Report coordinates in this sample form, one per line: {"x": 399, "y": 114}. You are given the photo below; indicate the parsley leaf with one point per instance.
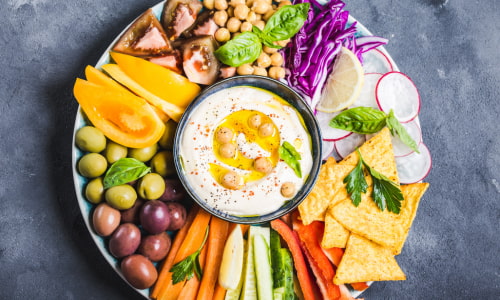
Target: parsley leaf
{"x": 356, "y": 183}
{"x": 289, "y": 154}
{"x": 188, "y": 267}
{"x": 386, "y": 193}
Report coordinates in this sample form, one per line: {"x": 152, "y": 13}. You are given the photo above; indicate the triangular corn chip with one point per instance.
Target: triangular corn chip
{"x": 377, "y": 152}
{"x": 383, "y": 227}
{"x": 335, "y": 234}
{"x": 364, "y": 260}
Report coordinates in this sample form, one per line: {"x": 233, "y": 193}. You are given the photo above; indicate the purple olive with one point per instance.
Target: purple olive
{"x": 177, "y": 214}
{"x": 155, "y": 247}
{"x": 154, "y": 216}
{"x": 139, "y": 271}
{"x": 131, "y": 215}
{"x": 125, "y": 240}
{"x": 174, "y": 191}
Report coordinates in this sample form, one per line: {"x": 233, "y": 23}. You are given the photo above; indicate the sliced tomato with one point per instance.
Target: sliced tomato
{"x": 123, "y": 117}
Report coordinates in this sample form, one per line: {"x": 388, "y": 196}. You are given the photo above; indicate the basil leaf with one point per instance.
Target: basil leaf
{"x": 291, "y": 157}
{"x": 386, "y": 193}
{"x": 286, "y": 22}
{"x": 243, "y": 49}
{"x": 397, "y": 129}
{"x": 123, "y": 171}
{"x": 356, "y": 183}
{"x": 364, "y": 120}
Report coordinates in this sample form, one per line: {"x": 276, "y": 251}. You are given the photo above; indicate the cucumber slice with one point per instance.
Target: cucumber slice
{"x": 249, "y": 291}
{"x": 278, "y": 293}
{"x": 262, "y": 261}
{"x": 235, "y": 294}
{"x": 286, "y": 268}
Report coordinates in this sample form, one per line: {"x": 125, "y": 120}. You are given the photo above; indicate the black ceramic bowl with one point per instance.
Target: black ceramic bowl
{"x": 288, "y": 95}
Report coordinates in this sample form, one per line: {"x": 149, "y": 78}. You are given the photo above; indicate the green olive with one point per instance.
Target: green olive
{"x": 92, "y": 165}
{"x": 121, "y": 196}
{"x": 151, "y": 186}
{"x": 163, "y": 163}
{"x": 143, "y": 154}
{"x": 90, "y": 139}
{"x": 167, "y": 139}
{"x": 114, "y": 152}
{"x": 94, "y": 192}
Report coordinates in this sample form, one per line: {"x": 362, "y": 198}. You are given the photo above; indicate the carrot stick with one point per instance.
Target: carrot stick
{"x": 220, "y": 292}
{"x": 169, "y": 261}
{"x": 216, "y": 241}
{"x": 192, "y": 242}
{"x": 190, "y": 289}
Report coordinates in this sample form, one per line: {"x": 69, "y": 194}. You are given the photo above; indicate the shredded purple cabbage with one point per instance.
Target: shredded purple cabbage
{"x": 309, "y": 58}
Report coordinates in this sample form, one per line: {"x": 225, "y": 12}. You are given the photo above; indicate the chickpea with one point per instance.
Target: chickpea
{"x": 241, "y": 11}
{"x": 262, "y": 164}
{"x": 264, "y": 60}
{"x": 245, "y": 69}
{"x": 288, "y": 189}
{"x": 222, "y": 35}
{"x": 283, "y": 3}
{"x": 230, "y": 11}
{"x": 260, "y": 24}
{"x": 266, "y": 129}
{"x": 268, "y": 14}
{"x": 277, "y": 59}
{"x": 220, "y": 4}
{"x": 269, "y": 50}
{"x": 260, "y": 6}
{"x": 276, "y": 72}
{"x": 246, "y": 26}
{"x": 220, "y": 18}
{"x": 249, "y": 3}
{"x": 254, "y": 121}
{"x": 234, "y": 3}
{"x": 224, "y": 135}
{"x": 251, "y": 17}
{"x": 283, "y": 43}
{"x": 209, "y": 4}
{"x": 259, "y": 71}
{"x": 227, "y": 150}
{"x": 232, "y": 180}
{"x": 233, "y": 24}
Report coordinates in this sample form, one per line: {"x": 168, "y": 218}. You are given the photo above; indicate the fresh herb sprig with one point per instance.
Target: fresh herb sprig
{"x": 247, "y": 46}
{"x": 385, "y": 193}
{"x": 123, "y": 171}
{"x": 289, "y": 155}
{"x": 188, "y": 267}
{"x": 367, "y": 120}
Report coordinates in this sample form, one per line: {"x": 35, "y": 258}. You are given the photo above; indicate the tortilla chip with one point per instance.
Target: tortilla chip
{"x": 313, "y": 208}
{"x": 364, "y": 260}
{"x": 335, "y": 234}
{"x": 383, "y": 227}
{"x": 377, "y": 152}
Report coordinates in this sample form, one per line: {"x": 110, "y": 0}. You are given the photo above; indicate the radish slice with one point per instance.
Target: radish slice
{"x": 329, "y": 133}
{"x": 347, "y": 145}
{"x": 400, "y": 148}
{"x": 327, "y": 148}
{"x": 414, "y": 167}
{"x": 396, "y": 91}
{"x": 375, "y": 61}
{"x": 367, "y": 95}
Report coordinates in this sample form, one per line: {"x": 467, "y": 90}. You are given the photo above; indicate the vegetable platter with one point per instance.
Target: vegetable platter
{"x": 303, "y": 45}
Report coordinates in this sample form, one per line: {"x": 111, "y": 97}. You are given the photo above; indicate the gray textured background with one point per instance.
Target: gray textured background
{"x": 450, "y": 48}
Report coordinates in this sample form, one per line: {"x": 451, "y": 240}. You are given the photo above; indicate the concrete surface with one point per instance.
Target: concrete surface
{"x": 449, "y": 48}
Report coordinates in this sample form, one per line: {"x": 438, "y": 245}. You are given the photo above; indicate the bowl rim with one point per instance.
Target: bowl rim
{"x": 310, "y": 123}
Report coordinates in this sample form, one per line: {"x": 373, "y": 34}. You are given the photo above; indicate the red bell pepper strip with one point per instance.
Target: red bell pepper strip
{"x": 359, "y": 286}
{"x": 334, "y": 254}
{"x": 310, "y": 236}
{"x": 291, "y": 239}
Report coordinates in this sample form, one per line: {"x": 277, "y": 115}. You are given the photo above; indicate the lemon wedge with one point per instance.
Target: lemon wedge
{"x": 344, "y": 83}
{"x": 232, "y": 260}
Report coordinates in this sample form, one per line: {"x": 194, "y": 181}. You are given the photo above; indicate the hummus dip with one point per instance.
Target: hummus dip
{"x": 230, "y": 151}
